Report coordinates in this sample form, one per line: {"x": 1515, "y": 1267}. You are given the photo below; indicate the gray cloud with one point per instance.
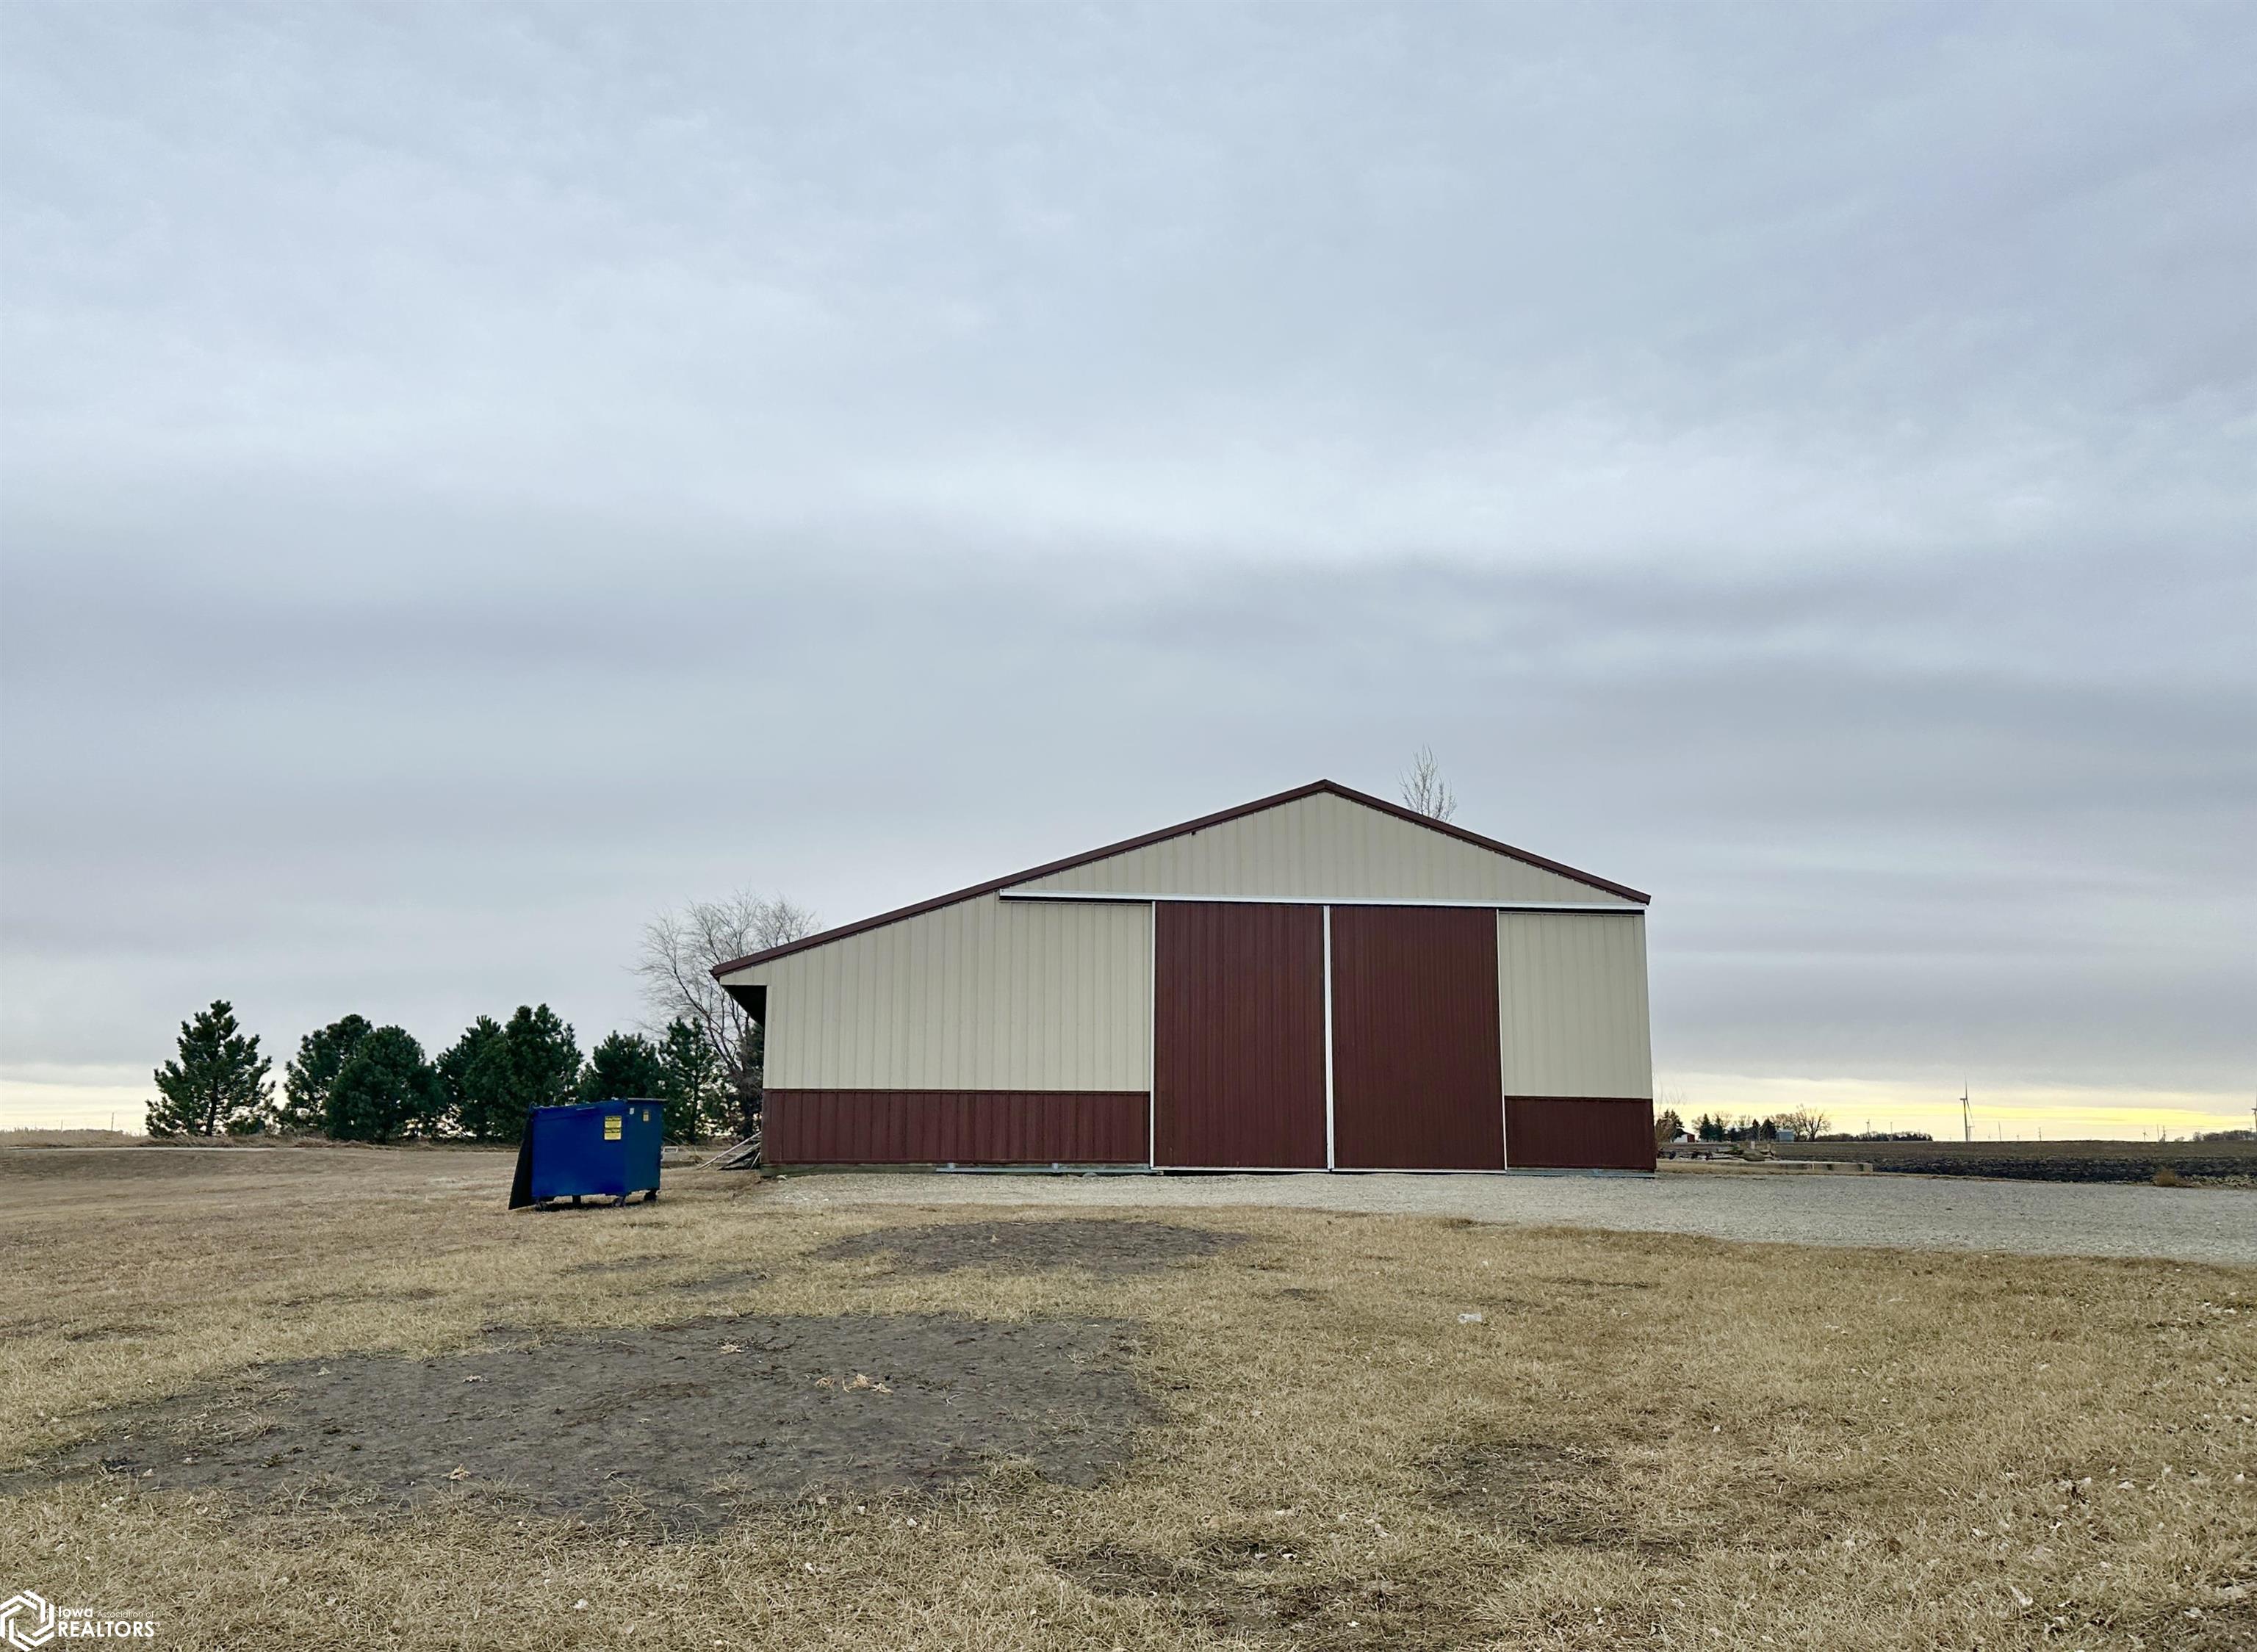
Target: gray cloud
{"x": 473, "y": 477}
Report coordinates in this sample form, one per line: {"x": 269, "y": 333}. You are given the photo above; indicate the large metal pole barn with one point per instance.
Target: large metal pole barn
{"x": 1318, "y": 980}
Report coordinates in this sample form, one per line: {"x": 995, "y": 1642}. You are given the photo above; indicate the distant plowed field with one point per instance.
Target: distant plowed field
{"x": 2214, "y": 1163}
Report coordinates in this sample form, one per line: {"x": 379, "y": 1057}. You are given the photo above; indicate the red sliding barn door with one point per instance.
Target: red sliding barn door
{"x": 1418, "y": 1078}
{"x": 1238, "y": 1035}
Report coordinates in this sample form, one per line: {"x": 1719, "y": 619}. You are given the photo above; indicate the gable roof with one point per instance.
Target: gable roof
{"x": 1313, "y": 788}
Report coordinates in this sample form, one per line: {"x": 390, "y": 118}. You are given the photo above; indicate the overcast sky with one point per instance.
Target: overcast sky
{"x": 475, "y": 476}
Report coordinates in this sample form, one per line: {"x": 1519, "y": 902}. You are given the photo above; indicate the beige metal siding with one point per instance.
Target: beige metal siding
{"x": 1323, "y": 848}
{"x": 986, "y": 994}
{"x": 1571, "y": 993}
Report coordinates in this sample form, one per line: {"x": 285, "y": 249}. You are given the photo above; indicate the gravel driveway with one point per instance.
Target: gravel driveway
{"x": 2037, "y": 1218}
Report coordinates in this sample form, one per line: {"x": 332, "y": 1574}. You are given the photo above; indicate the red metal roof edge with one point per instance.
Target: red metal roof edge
{"x": 825, "y": 937}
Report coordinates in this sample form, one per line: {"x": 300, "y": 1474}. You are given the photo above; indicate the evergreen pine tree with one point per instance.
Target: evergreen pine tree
{"x": 305, "y": 1081}
{"x": 695, "y": 1087}
{"x": 384, "y": 1088}
{"x": 470, "y": 1089}
{"x": 431, "y": 1116}
{"x": 625, "y": 1066}
{"x": 532, "y": 1062}
{"x": 218, "y": 1081}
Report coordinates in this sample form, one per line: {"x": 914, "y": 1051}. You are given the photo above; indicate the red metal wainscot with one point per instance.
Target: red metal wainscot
{"x": 954, "y": 1126}
{"x": 1579, "y": 1133}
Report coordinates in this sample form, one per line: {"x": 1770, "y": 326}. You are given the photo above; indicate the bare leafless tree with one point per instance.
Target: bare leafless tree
{"x": 679, "y": 952}
{"x": 1425, "y": 790}
{"x": 1807, "y": 1124}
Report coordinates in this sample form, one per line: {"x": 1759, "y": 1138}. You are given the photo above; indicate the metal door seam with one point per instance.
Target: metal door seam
{"x": 1331, "y": 1159}
{"x": 1503, "y": 1087}
{"x": 1152, "y": 1036}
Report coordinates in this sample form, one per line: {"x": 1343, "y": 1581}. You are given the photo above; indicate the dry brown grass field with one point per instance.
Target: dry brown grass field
{"x": 326, "y": 1398}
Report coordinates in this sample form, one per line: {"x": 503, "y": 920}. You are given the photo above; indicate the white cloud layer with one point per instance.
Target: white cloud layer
{"x": 474, "y": 475}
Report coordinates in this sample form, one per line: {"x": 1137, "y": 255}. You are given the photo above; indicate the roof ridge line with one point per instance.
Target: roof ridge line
{"x": 1314, "y": 787}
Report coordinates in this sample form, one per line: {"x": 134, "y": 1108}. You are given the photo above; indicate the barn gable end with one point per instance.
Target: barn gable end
{"x": 1328, "y": 846}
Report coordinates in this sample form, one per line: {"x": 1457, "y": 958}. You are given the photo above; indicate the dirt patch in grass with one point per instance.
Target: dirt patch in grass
{"x": 685, "y": 1423}
{"x": 714, "y": 1284}
{"x": 337, "y": 1298}
{"x": 1099, "y": 1246}
{"x": 1547, "y": 1494}
{"x": 611, "y": 1264}
{"x": 1261, "y": 1588}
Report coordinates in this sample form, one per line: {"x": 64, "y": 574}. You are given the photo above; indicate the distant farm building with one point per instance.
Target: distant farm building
{"x": 1318, "y": 980}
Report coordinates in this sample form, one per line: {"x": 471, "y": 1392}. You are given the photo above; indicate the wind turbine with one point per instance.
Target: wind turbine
{"x": 1966, "y": 1116}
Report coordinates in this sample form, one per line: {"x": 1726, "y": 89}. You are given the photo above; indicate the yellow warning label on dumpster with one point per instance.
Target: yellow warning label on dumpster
{"x": 612, "y": 1123}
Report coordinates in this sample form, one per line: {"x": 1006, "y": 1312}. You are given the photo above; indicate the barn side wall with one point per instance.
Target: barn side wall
{"x": 1323, "y": 848}
{"x": 986, "y": 995}
{"x": 1572, "y": 1005}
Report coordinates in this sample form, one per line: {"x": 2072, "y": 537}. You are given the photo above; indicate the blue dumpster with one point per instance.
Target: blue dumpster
{"x": 599, "y": 1150}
